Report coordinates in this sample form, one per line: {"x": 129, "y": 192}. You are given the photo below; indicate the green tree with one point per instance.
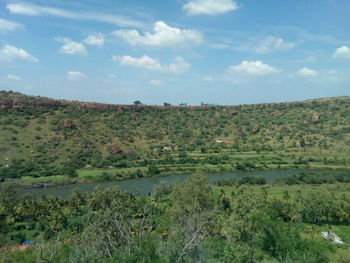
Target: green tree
{"x": 192, "y": 216}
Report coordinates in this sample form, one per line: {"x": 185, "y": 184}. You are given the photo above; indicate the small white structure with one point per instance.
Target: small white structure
{"x": 332, "y": 237}
{"x": 167, "y": 148}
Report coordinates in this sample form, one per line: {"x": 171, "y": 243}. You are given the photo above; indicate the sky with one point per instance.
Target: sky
{"x": 177, "y": 51}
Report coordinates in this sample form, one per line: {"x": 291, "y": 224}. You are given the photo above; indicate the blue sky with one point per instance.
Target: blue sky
{"x": 192, "y": 51}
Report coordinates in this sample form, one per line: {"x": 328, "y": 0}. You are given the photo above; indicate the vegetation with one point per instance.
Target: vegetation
{"x": 40, "y": 138}
{"x": 243, "y": 221}
{"x": 185, "y": 222}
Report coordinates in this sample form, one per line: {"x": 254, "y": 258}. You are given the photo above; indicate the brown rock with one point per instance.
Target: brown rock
{"x": 256, "y": 129}
{"x": 315, "y": 117}
{"x": 114, "y": 149}
{"x": 213, "y": 122}
{"x": 277, "y": 113}
{"x": 67, "y": 124}
{"x": 239, "y": 130}
{"x": 284, "y": 129}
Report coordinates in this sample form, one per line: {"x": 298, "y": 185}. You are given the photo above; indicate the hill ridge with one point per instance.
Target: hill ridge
{"x": 17, "y": 100}
{"x": 42, "y": 136}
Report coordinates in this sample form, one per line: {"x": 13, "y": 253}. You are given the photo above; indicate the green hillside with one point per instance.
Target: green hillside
{"x": 46, "y": 137}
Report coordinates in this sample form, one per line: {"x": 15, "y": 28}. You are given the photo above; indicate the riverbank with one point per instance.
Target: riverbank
{"x": 145, "y": 185}
{"x": 274, "y": 196}
{"x": 86, "y": 176}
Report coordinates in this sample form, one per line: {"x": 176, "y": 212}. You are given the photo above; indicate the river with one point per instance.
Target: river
{"x": 145, "y": 185}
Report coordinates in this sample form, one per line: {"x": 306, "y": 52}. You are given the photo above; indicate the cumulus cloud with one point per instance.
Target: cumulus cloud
{"x": 210, "y": 7}
{"x": 307, "y": 73}
{"x": 271, "y": 43}
{"x": 342, "y": 53}
{"x": 145, "y": 62}
{"x": 73, "y": 75}
{"x": 96, "y": 39}
{"x": 163, "y": 36}
{"x": 71, "y": 47}
{"x": 178, "y": 66}
{"x": 257, "y": 68}
{"x": 9, "y": 53}
{"x": 6, "y": 25}
{"x": 13, "y": 77}
{"x": 37, "y": 10}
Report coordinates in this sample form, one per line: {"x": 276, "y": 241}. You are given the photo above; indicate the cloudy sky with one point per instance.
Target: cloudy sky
{"x": 192, "y": 51}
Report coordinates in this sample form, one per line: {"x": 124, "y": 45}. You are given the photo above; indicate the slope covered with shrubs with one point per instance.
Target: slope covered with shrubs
{"x": 43, "y": 137}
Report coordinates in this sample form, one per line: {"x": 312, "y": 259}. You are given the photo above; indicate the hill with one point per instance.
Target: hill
{"x": 44, "y": 137}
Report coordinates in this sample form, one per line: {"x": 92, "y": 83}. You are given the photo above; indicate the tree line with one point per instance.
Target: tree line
{"x": 191, "y": 221}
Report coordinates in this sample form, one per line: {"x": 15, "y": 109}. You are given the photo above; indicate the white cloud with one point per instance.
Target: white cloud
{"x": 9, "y": 53}
{"x": 6, "y": 25}
{"x": 328, "y": 76}
{"x": 71, "y": 47}
{"x": 178, "y": 66}
{"x": 75, "y": 75}
{"x": 96, "y": 39}
{"x": 210, "y": 7}
{"x": 307, "y": 73}
{"x": 342, "y": 53}
{"x": 271, "y": 43}
{"x": 112, "y": 76}
{"x": 145, "y": 62}
{"x": 13, "y": 77}
{"x": 24, "y": 9}
{"x": 253, "y": 68}
{"x": 36, "y": 10}
{"x": 156, "y": 82}
{"x": 163, "y": 36}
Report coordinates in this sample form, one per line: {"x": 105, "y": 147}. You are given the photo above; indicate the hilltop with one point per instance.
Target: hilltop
{"x": 44, "y": 137}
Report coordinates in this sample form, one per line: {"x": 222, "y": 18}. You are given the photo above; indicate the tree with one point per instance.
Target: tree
{"x": 244, "y": 225}
{"x": 137, "y": 102}
{"x": 191, "y": 217}
{"x": 116, "y": 227}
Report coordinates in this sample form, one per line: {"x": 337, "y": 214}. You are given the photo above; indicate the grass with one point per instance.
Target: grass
{"x": 54, "y": 180}
{"x": 97, "y": 174}
{"x": 94, "y": 173}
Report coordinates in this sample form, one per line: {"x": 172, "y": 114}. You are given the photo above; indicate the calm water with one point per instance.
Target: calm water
{"x": 145, "y": 185}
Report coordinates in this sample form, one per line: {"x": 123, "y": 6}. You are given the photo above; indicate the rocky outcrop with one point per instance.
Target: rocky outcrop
{"x": 256, "y": 129}
{"x": 67, "y": 124}
{"x": 239, "y": 130}
{"x": 18, "y": 101}
{"x": 315, "y": 117}
{"x": 213, "y": 122}
{"x": 277, "y": 114}
{"x": 114, "y": 149}
{"x": 283, "y": 129}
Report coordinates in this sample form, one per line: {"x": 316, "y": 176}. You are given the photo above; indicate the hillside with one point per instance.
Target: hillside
{"x": 44, "y": 137}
